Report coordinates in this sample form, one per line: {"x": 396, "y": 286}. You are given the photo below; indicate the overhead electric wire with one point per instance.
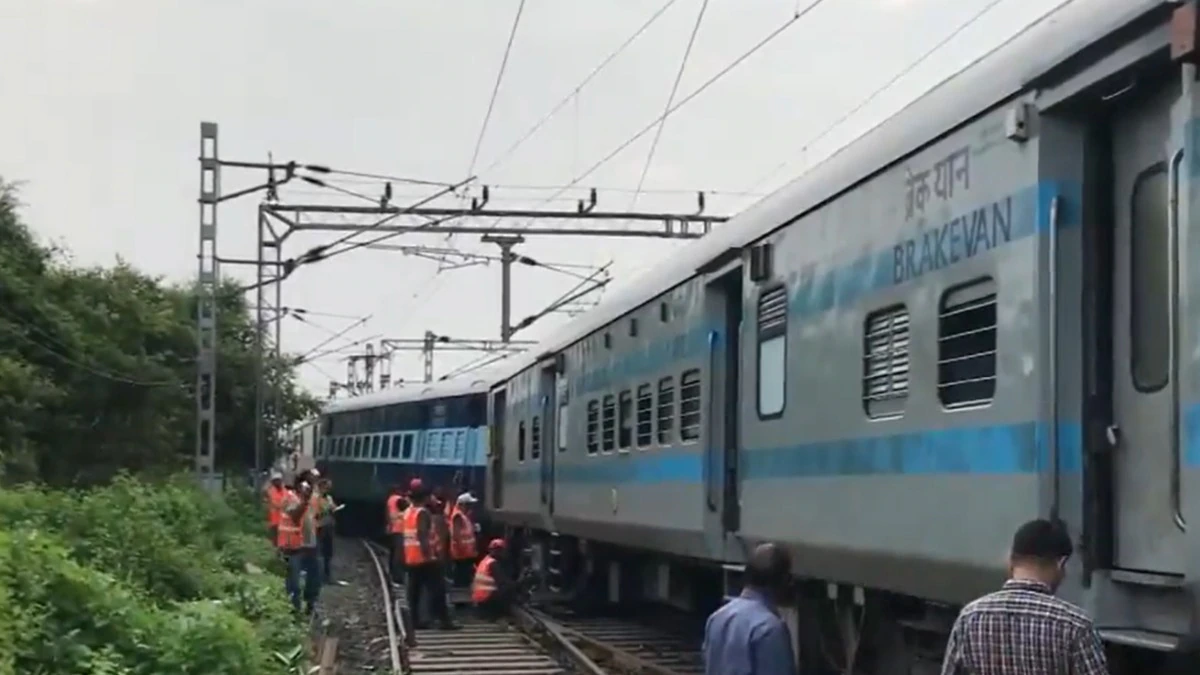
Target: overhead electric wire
{"x": 377, "y": 176}
{"x": 687, "y": 52}
{"x": 347, "y": 329}
{"x": 512, "y": 35}
{"x": 770, "y": 37}
{"x": 583, "y": 83}
{"x": 896, "y": 78}
{"x": 13, "y": 329}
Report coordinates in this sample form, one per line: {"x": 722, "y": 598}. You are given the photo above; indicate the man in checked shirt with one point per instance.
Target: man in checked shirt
{"x": 1023, "y": 629}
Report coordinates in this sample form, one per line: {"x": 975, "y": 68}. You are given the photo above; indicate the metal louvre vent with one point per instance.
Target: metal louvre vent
{"x": 885, "y": 361}
{"x": 772, "y": 310}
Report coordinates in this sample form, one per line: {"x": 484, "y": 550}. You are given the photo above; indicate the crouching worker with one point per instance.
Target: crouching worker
{"x": 493, "y": 590}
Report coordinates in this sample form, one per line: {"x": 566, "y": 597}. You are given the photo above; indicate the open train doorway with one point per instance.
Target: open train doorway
{"x": 723, "y": 310}
{"x": 497, "y": 413}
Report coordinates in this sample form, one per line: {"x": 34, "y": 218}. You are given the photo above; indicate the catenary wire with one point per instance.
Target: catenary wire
{"x": 687, "y": 52}
{"x": 583, "y": 83}
{"x": 512, "y": 35}
{"x": 888, "y": 85}
{"x": 13, "y": 326}
{"x": 770, "y": 37}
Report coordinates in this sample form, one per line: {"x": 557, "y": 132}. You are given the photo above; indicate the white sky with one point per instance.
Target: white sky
{"x": 100, "y": 104}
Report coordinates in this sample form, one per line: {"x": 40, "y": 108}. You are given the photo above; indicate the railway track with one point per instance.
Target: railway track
{"x": 548, "y": 641}
{"x": 637, "y": 645}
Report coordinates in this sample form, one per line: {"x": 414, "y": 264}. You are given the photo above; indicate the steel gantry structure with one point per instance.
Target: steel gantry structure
{"x": 277, "y": 221}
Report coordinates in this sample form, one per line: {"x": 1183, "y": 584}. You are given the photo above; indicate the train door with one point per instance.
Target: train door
{"x": 1144, "y": 433}
{"x": 547, "y": 407}
{"x": 497, "y": 413}
{"x": 723, "y": 310}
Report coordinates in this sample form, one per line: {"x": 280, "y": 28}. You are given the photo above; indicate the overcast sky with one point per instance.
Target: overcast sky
{"x": 101, "y": 100}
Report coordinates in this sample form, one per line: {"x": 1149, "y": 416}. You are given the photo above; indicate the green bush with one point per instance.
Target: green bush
{"x": 138, "y": 578}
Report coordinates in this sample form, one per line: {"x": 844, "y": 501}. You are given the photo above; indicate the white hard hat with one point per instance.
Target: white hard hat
{"x": 314, "y": 473}
{"x": 276, "y": 475}
{"x": 466, "y": 498}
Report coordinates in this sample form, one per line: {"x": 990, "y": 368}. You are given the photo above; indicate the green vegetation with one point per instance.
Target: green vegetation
{"x": 102, "y": 573}
{"x": 97, "y": 368}
{"x": 136, "y": 579}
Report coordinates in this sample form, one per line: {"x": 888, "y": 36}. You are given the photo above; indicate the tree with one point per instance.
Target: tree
{"x": 97, "y": 367}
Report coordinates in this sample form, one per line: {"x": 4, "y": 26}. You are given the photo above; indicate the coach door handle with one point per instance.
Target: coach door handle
{"x": 1113, "y": 434}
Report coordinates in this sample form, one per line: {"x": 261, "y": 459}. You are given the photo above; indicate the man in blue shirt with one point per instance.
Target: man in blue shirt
{"x": 746, "y": 636}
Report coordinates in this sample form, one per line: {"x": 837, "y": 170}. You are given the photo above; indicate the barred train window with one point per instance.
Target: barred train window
{"x": 666, "y": 409}
{"x": 609, "y": 427}
{"x": 772, "y": 351}
{"x": 521, "y": 441}
{"x": 593, "y": 427}
{"x": 885, "y": 362}
{"x": 535, "y": 438}
{"x": 645, "y": 415}
{"x": 625, "y": 412}
{"x": 689, "y": 405}
{"x": 967, "y": 344}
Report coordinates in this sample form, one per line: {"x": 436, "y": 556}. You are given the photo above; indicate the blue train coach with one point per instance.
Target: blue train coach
{"x": 435, "y": 432}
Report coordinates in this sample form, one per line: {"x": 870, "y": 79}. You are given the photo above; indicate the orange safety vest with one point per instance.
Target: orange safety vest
{"x": 394, "y": 515}
{"x": 275, "y": 498}
{"x": 484, "y": 585}
{"x": 291, "y": 533}
{"x": 413, "y": 555}
{"x": 462, "y": 538}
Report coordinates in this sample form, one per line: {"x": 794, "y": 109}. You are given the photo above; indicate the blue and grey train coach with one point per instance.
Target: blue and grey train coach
{"x": 436, "y": 432}
{"x": 978, "y": 313}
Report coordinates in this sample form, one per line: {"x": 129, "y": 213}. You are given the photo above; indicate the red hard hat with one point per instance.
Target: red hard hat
{"x": 496, "y": 545}
{"x": 415, "y": 485}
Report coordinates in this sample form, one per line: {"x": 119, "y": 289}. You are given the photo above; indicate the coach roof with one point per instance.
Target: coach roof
{"x": 998, "y": 75}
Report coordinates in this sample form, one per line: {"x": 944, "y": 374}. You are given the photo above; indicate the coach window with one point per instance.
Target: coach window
{"x": 645, "y": 416}
{"x": 535, "y": 438}
{"x": 593, "y": 427}
{"x": 521, "y": 441}
{"x": 375, "y": 443}
{"x": 561, "y": 434}
{"x": 885, "y": 362}
{"x": 664, "y": 312}
{"x": 609, "y": 428}
{"x": 1150, "y": 282}
{"x": 689, "y": 405}
{"x": 385, "y": 448}
{"x": 772, "y": 352}
{"x": 396, "y": 440}
{"x": 408, "y": 446}
{"x": 666, "y": 409}
{"x": 967, "y": 344}
{"x": 625, "y": 414}
{"x": 358, "y": 447}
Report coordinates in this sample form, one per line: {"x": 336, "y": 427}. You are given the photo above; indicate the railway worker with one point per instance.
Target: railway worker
{"x": 746, "y": 636}
{"x": 492, "y": 590}
{"x": 275, "y": 495}
{"x": 421, "y": 546}
{"x": 463, "y": 549}
{"x": 298, "y": 542}
{"x": 396, "y": 504}
{"x": 325, "y": 527}
{"x": 1023, "y": 627}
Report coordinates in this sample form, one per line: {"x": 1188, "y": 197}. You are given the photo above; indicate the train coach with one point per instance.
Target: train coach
{"x": 436, "y": 432}
{"x": 977, "y": 314}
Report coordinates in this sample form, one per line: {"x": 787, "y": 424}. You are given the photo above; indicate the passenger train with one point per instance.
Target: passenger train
{"x": 436, "y": 432}
{"x": 979, "y": 313}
